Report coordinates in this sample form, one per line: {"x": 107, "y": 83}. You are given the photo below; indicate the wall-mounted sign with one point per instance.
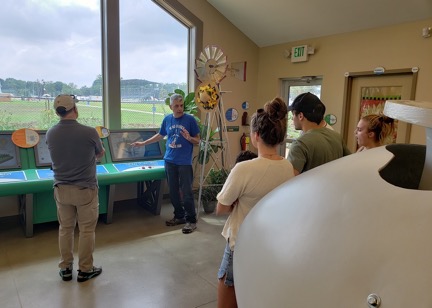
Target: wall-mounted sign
{"x": 245, "y": 105}
{"x": 330, "y": 119}
{"x": 379, "y": 70}
{"x": 232, "y": 128}
{"x": 25, "y": 138}
{"x": 103, "y": 132}
{"x": 231, "y": 114}
{"x": 299, "y": 53}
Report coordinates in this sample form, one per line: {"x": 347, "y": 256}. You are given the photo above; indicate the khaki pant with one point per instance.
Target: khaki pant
{"x": 75, "y": 203}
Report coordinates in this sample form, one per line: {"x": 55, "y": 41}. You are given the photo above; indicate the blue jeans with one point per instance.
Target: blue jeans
{"x": 180, "y": 179}
{"x": 226, "y": 267}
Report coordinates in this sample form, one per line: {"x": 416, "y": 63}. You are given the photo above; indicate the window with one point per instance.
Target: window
{"x": 291, "y": 89}
{"x": 50, "y": 47}
{"x": 54, "y": 47}
{"x": 153, "y": 62}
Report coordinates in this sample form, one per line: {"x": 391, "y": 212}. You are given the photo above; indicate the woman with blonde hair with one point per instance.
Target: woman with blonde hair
{"x": 373, "y": 130}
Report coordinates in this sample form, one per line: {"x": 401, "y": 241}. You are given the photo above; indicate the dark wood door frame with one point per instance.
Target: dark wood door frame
{"x": 349, "y": 77}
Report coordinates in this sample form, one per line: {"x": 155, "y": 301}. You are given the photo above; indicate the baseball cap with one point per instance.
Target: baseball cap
{"x": 65, "y": 102}
{"x": 307, "y": 103}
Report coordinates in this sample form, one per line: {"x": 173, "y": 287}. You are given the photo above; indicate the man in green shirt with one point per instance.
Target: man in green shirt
{"x": 317, "y": 145}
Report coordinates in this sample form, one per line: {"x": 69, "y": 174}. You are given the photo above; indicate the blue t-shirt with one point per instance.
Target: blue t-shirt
{"x": 178, "y": 149}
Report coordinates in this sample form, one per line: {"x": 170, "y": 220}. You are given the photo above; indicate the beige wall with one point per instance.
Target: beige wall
{"x": 237, "y": 47}
{"x": 396, "y": 47}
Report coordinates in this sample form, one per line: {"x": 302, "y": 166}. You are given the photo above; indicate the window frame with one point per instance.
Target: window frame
{"x": 287, "y": 84}
{"x": 110, "y": 23}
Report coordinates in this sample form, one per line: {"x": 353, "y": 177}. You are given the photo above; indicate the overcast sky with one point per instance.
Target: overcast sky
{"x": 59, "y": 40}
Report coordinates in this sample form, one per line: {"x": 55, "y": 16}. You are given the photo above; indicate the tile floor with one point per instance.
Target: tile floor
{"x": 145, "y": 263}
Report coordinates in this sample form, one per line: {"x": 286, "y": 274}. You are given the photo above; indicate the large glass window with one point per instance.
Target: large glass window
{"x": 49, "y": 47}
{"x": 153, "y": 62}
{"x": 54, "y": 46}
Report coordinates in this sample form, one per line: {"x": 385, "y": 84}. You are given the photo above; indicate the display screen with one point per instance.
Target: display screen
{"x": 9, "y": 153}
{"x": 42, "y": 155}
{"x": 121, "y": 150}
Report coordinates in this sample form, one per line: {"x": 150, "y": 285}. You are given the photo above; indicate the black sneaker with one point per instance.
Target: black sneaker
{"x": 84, "y": 276}
{"x": 189, "y": 228}
{"x": 175, "y": 222}
{"x": 66, "y": 274}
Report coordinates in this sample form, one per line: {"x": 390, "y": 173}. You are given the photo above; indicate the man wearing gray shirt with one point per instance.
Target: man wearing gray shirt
{"x": 74, "y": 149}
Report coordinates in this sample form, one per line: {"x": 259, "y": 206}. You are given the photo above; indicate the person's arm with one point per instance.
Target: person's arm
{"x": 231, "y": 191}
{"x": 100, "y": 154}
{"x": 153, "y": 139}
{"x": 188, "y": 137}
{"x": 222, "y": 209}
{"x": 297, "y": 157}
{"x": 194, "y": 140}
{"x": 192, "y": 132}
{"x": 99, "y": 149}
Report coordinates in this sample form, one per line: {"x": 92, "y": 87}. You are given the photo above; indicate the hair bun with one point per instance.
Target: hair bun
{"x": 276, "y": 109}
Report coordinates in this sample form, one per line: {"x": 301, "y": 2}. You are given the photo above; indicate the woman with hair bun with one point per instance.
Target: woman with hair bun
{"x": 248, "y": 182}
{"x": 373, "y": 131}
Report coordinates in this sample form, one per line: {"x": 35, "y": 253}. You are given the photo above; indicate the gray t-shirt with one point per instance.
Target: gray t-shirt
{"x": 73, "y": 148}
{"x": 316, "y": 147}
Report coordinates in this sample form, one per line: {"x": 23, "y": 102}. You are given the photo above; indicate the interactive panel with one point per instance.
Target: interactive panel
{"x": 121, "y": 150}
{"x": 9, "y": 153}
{"x": 42, "y": 155}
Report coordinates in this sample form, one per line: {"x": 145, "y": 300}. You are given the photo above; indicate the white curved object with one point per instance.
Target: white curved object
{"x": 333, "y": 236}
{"x": 419, "y": 113}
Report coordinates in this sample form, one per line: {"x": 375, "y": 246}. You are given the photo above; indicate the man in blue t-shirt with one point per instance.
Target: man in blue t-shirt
{"x": 182, "y": 133}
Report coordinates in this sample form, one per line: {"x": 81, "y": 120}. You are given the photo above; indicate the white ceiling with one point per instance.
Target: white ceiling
{"x": 271, "y": 22}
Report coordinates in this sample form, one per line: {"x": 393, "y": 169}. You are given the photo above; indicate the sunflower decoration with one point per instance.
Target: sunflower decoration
{"x": 207, "y": 96}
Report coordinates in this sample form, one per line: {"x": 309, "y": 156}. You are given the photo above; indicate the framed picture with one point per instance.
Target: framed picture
{"x": 121, "y": 150}
{"x": 42, "y": 155}
{"x": 9, "y": 153}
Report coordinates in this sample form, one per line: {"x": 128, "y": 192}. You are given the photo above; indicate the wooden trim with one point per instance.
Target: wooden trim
{"x": 349, "y": 76}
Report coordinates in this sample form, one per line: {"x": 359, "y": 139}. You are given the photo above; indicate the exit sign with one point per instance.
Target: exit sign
{"x": 299, "y": 53}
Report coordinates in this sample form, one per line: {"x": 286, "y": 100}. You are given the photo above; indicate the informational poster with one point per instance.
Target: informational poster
{"x": 121, "y": 149}
{"x": 103, "y": 132}
{"x": 231, "y": 114}
{"x": 373, "y": 100}
{"x": 43, "y": 157}
{"x": 42, "y": 154}
{"x": 25, "y": 137}
{"x": 9, "y": 156}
